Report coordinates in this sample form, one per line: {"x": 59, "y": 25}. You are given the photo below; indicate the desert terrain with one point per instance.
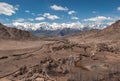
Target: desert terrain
{"x": 92, "y": 55}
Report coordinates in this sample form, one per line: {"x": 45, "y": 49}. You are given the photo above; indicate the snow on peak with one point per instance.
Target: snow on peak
{"x": 47, "y": 26}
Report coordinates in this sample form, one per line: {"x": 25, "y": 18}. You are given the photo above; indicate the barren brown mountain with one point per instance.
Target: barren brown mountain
{"x": 13, "y": 33}
{"x": 92, "y": 55}
{"x": 112, "y": 31}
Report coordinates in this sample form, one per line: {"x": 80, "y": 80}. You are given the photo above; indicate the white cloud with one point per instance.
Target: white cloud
{"x": 19, "y": 20}
{"x": 51, "y": 17}
{"x": 27, "y": 11}
{"x": 71, "y": 12}
{"x": 55, "y": 7}
{"x": 7, "y": 9}
{"x": 16, "y": 7}
{"x": 118, "y": 8}
{"x": 46, "y": 14}
{"x": 30, "y": 19}
{"x": 33, "y": 14}
{"x": 74, "y": 18}
{"x": 40, "y": 18}
{"x": 98, "y": 18}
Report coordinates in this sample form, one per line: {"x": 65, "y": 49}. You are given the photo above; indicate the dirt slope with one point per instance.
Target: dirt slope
{"x": 13, "y": 33}
{"x": 111, "y": 32}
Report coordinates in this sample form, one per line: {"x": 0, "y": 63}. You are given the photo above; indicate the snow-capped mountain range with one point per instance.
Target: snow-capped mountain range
{"x": 56, "y": 26}
{"x": 45, "y": 28}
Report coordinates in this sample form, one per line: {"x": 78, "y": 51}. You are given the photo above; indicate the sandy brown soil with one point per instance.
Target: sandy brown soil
{"x": 17, "y": 54}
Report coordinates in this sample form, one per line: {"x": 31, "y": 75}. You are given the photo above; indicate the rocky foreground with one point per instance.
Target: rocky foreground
{"x": 64, "y": 61}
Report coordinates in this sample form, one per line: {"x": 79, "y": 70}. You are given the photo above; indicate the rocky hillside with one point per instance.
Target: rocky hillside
{"x": 111, "y": 32}
{"x": 13, "y": 33}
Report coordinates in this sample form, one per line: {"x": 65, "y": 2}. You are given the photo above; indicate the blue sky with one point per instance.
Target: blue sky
{"x": 59, "y": 11}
